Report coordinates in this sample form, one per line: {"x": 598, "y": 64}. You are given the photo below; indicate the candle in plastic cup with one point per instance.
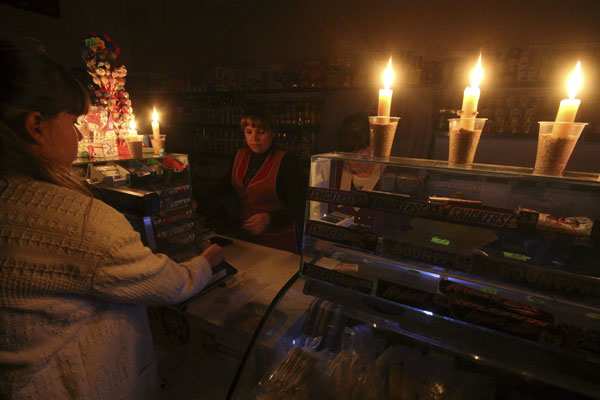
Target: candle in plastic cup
{"x": 134, "y": 144}
{"x": 382, "y": 131}
{"x": 463, "y": 142}
{"x": 158, "y": 144}
{"x": 554, "y": 151}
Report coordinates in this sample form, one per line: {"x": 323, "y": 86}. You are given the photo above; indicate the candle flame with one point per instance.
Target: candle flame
{"x": 574, "y": 82}
{"x": 477, "y": 74}
{"x": 388, "y": 75}
{"x": 132, "y": 125}
{"x": 155, "y": 116}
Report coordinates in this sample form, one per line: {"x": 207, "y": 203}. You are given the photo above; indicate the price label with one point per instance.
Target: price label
{"x": 535, "y": 300}
{"x": 440, "y": 240}
{"x": 488, "y": 290}
{"x": 516, "y": 256}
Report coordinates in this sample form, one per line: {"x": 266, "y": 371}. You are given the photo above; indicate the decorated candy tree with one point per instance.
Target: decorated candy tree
{"x": 111, "y": 114}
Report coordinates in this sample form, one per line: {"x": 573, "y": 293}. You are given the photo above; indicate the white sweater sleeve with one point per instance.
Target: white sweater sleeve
{"x": 130, "y": 273}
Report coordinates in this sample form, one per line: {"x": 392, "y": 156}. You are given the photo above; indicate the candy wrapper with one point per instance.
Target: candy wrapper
{"x": 581, "y": 226}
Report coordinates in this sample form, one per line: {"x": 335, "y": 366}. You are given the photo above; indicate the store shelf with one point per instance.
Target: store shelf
{"x": 426, "y": 277}
{"x": 475, "y": 169}
{"x": 262, "y": 92}
{"x": 491, "y": 245}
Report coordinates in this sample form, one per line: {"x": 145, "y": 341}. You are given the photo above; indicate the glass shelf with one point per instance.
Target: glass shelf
{"x": 473, "y": 169}
{"x": 485, "y": 346}
{"x": 327, "y": 326}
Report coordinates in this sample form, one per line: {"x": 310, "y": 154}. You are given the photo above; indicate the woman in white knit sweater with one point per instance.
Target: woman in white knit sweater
{"x": 74, "y": 277}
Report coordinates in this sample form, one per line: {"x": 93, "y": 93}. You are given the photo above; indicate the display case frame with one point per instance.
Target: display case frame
{"x": 541, "y": 333}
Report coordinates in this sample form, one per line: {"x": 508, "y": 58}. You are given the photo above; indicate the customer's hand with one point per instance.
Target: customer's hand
{"x": 214, "y": 254}
{"x": 257, "y": 223}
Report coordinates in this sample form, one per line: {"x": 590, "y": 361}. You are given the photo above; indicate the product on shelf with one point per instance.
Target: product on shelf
{"x": 470, "y": 225}
{"x": 359, "y": 370}
{"x": 153, "y": 193}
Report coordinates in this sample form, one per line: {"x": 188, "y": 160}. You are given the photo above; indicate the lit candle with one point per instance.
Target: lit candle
{"x": 568, "y": 107}
{"x": 471, "y": 99}
{"x": 132, "y": 125}
{"x": 155, "y": 127}
{"x": 385, "y": 95}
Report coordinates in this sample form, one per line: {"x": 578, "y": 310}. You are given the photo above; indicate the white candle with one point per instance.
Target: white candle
{"x": 568, "y": 107}
{"x": 385, "y": 95}
{"x": 471, "y": 98}
{"x": 132, "y": 125}
{"x": 155, "y": 127}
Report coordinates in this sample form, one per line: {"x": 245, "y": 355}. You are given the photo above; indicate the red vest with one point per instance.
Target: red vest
{"x": 261, "y": 196}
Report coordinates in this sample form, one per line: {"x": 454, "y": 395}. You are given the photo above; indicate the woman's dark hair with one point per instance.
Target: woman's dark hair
{"x": 259, "y": 115}
{"x": 33, "y": 81}
{"x": 353, "y": 134}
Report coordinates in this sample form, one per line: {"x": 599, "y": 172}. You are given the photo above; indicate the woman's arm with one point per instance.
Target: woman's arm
{"x": 128, "y": 272}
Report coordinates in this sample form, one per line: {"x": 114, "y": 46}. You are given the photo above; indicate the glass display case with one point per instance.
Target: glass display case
{"x": 422, "y": 281}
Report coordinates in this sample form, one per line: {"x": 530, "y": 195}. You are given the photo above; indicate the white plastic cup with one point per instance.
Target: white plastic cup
{"x": 134, "y": 144}
{"x": 463, "y": 142}
{"x": 554, "y": 150}
{"x": 382, "y": 130}
{"x": 158, "y": 144}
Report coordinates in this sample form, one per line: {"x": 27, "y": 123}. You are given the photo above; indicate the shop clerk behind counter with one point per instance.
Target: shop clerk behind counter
{"x": 354, "y": 137}
{"x": 267, "y": 182}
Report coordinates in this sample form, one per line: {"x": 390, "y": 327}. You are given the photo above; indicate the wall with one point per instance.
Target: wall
{"x": 182, "y": 35}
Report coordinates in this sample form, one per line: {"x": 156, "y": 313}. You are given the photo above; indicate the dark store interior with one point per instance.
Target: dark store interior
{"x": 439, "y": 39}
{"x": 313, "y": 63}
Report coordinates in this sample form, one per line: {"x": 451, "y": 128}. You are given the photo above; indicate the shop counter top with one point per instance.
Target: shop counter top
{"x": 262, "y": 272}
{"x": 218, "y": 326}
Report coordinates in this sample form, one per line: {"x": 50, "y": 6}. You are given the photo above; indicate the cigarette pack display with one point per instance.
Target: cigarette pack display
{"x": 172, "y": 203}
{"x": 173, "y": 164}
{"x": 167, "y": 218}
{"x": 155, "y": 196}
{"x": 480, "y": 282}
{"x": 110, "y": 174}
{"x": 141, "y": 174}
{"x": 174, "y": 230}
{"x": 173, "y": 190}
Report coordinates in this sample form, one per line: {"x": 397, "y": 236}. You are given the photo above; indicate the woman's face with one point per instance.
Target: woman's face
{"x": 258, "y": 138}
{"x": 361, "y": 168}
{"x": 62, "y": 136}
